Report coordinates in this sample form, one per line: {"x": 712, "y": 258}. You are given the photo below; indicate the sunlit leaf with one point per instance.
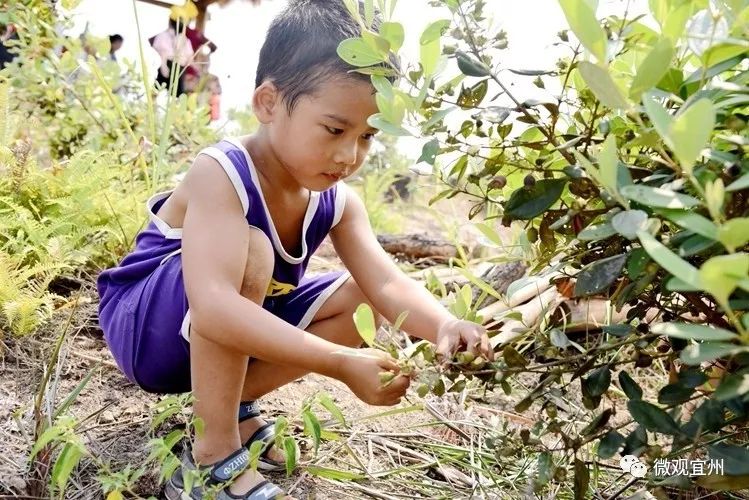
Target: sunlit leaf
{"x": 582, "y": 19}
{"x": 600, "y": 82}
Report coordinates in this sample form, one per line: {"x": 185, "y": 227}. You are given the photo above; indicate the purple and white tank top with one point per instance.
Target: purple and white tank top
{"x": 158, "y": 242}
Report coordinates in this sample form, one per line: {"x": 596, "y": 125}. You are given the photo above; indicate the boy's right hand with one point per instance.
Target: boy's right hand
{"x": 360, "y": 370}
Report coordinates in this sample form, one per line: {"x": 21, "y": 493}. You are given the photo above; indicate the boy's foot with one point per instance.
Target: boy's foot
{"x": 218, "y": 483}
{"x": 253, "y": 427}
{"x": 274, "y": 457}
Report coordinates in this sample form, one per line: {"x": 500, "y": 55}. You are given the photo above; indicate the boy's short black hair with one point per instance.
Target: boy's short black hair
{"x": 300, "y": 47}
{"x": 115, "y": 38}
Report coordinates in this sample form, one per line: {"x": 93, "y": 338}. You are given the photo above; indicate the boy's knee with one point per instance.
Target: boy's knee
{"x": 258, "y": 269}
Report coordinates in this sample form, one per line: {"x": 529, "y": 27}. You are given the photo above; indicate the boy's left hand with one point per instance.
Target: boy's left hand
{"x": 456, "y": 333}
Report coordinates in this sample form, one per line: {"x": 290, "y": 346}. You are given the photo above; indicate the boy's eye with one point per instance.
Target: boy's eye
{"x": 369, "y": 136}
{"x": 333, "y": 130}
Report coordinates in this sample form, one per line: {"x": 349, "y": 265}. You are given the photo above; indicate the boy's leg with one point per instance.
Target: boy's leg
{"x": 333, "y": 322}
{"x": 218, "y": 373}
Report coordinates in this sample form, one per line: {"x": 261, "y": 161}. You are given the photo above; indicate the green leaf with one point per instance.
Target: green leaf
{"x": 65, "y": 463}
{"x": 365, "y": 323}
{"x": 582, "y": 474}
{"x": 545, "y": 467}
{"x": 669, "y": 261}
{"x": 429, "y": 56}
{"x": 399, "y": 320}
{"x": 708, "y": 351}
{"x": 740, "y": 183}
{"x": 527, "y": 203}
{"x": 394, "y": 34}
{"x": 312, "y": 428}
{"x": 610, "y": 444}
{"x": 735, "y": 459}
{"x": 290, "y": 449}
{"x": 722, "y": 274}
{"x": 74, "y": 394}
{"x": 652, "y": 418}
{"x": 587, "y": 29}
{"x": 658, "y": 197}
{"x": 334, "y": 474}
{"x": 49, "y": 435}
{"x": 256, "y": 449}
{"x": 436, "y": 117}
{"x": 383, "y": 86}
{"x": 629, "y": 222}
{"x": 598, "y": 381}
{"x": 691, "y": 221}
{"x": 598, "y": 232}
{"x": 599, "y": 275}
{"x": 378, "y": 121}
{"x": 481, "y": 284}
{"x": 470, "y": 66}
{"x": 690, "y": 131}
{"x": 600, "y": 82}
{"x": 734, "y": 234}
{"x": 434, "y": 31}
{"x": 608, "y": 163}
{"x": 357, "y": 52}
{"x": 653, "y": 68}
{"x": 327, "y": 402}
{"x": 691, "y": 331}
{"x": 733, "y": 386}
{"x": 353, "y": 7}
{"x": 658, "y": 115}
{"x": 629, "y": 386}
{"x": 369, "y": 12}
{"x": 674, "y": 394}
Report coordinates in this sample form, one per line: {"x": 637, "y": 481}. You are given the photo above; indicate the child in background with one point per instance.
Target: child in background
{"x": 214, "y": 299}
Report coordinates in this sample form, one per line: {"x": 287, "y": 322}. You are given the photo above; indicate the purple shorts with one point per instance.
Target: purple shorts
{"x": 148, "y": 331}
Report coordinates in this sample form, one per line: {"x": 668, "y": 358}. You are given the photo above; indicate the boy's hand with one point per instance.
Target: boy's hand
{"x": 360, "y": 370}
{"x": 456, "y": 333}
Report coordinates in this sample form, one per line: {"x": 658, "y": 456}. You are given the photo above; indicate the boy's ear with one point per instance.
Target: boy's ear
{"x": 266, "y": 101}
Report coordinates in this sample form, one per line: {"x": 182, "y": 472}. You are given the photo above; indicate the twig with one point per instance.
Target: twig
{"x": 439, "y": 416}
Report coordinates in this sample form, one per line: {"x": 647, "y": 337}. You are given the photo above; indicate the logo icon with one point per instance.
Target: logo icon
{"x": 631, "y": 464}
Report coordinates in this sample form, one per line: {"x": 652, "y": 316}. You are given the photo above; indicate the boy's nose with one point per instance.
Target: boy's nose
{"x": 346, "y": 154}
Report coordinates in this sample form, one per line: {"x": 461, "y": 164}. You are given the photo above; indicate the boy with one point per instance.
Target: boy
{"x": 213, "y": 298}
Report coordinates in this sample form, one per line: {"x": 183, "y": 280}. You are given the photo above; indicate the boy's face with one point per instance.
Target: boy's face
{"x": 326, "y": 137}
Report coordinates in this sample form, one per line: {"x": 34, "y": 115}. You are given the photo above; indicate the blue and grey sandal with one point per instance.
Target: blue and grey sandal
{"x": 265, "y": 434}
{"x": 219, "y": 476}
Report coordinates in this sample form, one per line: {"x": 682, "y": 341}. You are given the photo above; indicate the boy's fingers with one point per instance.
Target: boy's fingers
{"x": 486, "y": 347}
{"x": 399, "y": 385}
{"x": 388, "y": 363}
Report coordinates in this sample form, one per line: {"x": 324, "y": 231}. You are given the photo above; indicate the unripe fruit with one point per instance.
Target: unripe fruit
{"x": 498, "y": 182}
{"x": 532, "y": 234}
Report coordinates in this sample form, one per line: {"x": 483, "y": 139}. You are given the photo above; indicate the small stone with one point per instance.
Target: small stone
{"x": 107, "y": 417}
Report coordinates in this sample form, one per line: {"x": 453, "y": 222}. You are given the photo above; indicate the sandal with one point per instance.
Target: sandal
{"x": 219, "y": 473}
{"x": 265, "y": 434}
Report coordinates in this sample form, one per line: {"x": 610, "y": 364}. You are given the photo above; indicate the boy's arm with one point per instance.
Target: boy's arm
{"x": 391, "y": 291}
{"x": 215, "y": 249}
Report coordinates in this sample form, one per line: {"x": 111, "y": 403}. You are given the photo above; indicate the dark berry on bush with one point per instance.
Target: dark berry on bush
{"x": 734, "y": 170}
{"x": 529, "y": 180}
{"x": 644, "y": 361}
{"x": 643, "y": 328}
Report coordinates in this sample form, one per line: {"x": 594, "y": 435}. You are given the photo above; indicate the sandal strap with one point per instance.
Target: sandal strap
{"x": 232, "y": 465}
{"x": 248, "y": 409}
{"x": 266, "y": 434}
{"x": 264, "y": 491}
